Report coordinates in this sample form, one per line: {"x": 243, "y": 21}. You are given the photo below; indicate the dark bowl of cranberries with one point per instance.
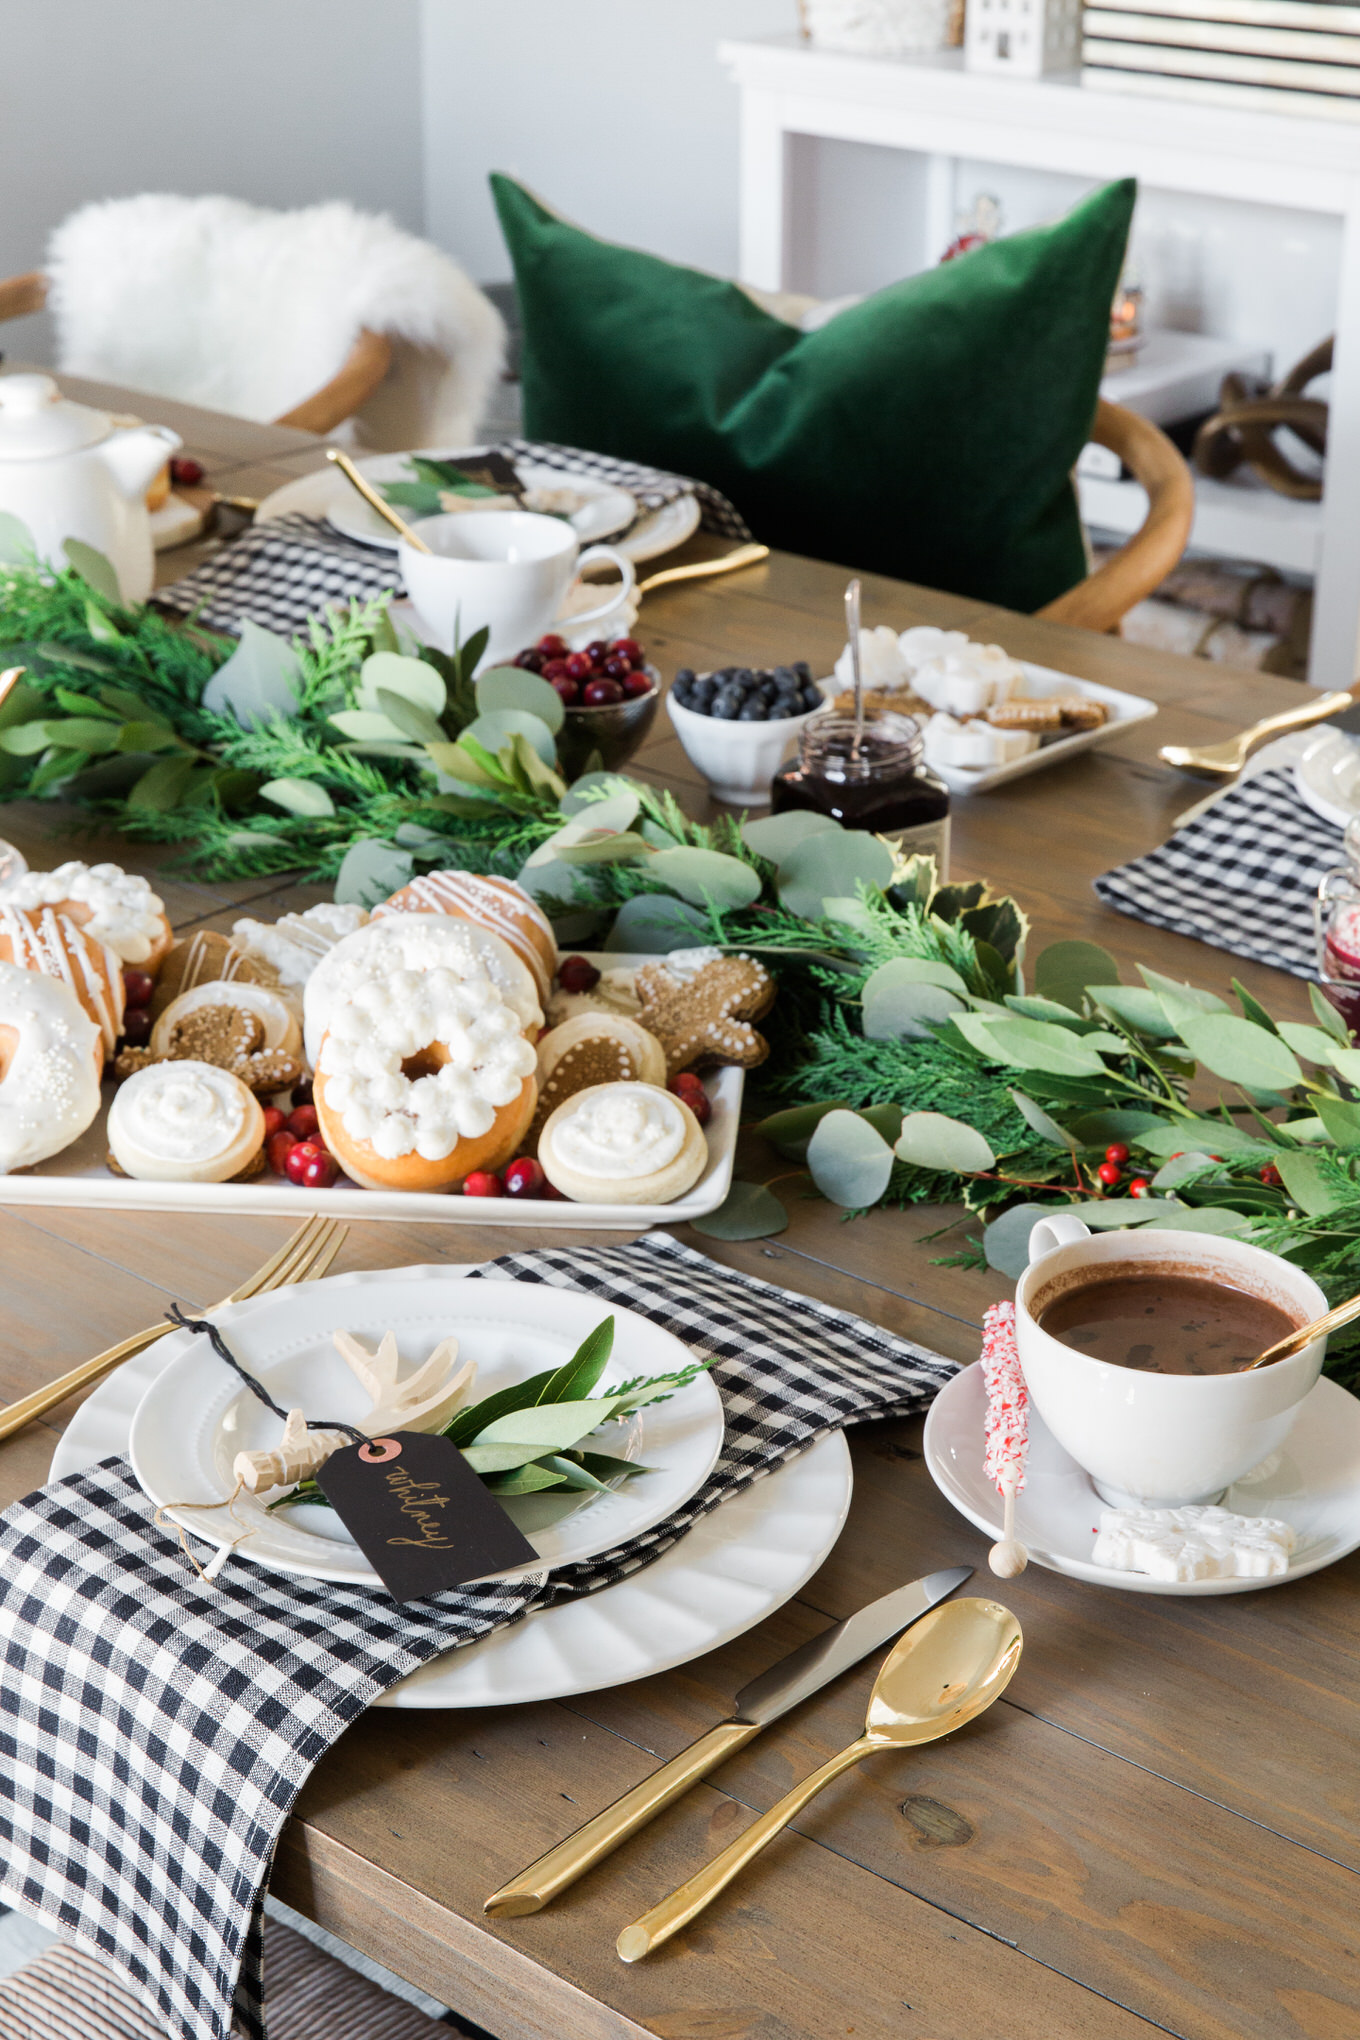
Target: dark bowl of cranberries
{"x": 610, "y": 695}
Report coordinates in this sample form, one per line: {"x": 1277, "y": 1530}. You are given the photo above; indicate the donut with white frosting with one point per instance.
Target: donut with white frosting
{"x": 184, "y": 1122}
{"x": 114, "y": 905}
{"x": 423, "y": 1077}
{"x": 415, "y": 942}
{"x": 624, "y": 1143}
{"x": 294, "y": 945}
{"x": 51, "y": 1054}
{"x": 496, "y": 904}
{"x": 282, "y": 1032}
{"x": 39, "y": 938}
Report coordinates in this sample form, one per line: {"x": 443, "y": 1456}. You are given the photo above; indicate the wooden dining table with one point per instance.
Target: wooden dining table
{"x": 1153, "y": 1831}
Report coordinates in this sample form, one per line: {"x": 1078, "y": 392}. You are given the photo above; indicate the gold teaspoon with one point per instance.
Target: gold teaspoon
{"x": 1295, "y": 1341}
{"x": 374, "y": 500}
{"x": 948, "y": 1668}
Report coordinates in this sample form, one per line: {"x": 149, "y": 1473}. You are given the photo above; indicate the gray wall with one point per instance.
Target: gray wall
{"x": 277, "y": 101}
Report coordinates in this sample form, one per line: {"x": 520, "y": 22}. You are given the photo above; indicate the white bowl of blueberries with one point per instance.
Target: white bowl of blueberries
{"x": 740, "y": 724}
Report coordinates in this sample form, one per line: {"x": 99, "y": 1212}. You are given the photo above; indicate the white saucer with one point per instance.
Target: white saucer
{"x": 1327, "y": 777}
{"x": 1313, "y": 1484}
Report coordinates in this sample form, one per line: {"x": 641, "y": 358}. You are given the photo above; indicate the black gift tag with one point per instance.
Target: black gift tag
{"x": 492, "y": 470}
{"x": 420, "y": 1515}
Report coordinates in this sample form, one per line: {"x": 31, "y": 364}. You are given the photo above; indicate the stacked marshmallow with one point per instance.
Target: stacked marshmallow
{"x": 958, "y": 679}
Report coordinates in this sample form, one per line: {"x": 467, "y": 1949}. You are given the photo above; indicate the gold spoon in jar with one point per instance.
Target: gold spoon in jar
{"x": 1294, "y": 1342}
{"x": 948, "y": 1668}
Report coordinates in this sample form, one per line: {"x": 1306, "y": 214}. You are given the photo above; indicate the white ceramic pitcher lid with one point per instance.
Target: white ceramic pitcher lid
{"x": 37, "y": 421}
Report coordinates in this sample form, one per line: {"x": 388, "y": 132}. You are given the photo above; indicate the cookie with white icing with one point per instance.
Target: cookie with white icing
{"x": 616, "y": 992}
{"x": 624, "y": 1143}
{"x": 50, "y": 1058}
{"x": 114, "y": 905}
{"x": 700, "y": 1004}
{"x": 594, "y": 1048}
{"x": 184, "y": 1122}
{"x": 294, "y": 945}
{"x": 416, "y": 942}
{"x": 280, "y": 1031}
{"x": 204, "y": 958}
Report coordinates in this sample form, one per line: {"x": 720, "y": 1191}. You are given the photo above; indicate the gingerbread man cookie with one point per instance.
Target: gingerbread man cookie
{"x": 227, "y": 1036}
{"x": 699, "y": 1004}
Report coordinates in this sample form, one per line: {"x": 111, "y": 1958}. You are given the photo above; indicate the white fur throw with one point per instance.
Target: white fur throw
{"x": 229, "y": 305}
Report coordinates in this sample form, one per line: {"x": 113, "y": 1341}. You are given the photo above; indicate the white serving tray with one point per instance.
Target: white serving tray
{"x": 1124, "y": 711}
{"x": 80, "y": 1177}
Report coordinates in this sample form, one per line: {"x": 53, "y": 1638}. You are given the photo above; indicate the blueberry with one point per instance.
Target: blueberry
{"x": 751, "y": 711}
{"x": 744, "y": 675}
{"x": 804, "y": 671}
{"x": 811, "y": 699}
{"x": 784, "y": 676}
{"x": 726, "y": 707}
{"x": 684, "y": 675}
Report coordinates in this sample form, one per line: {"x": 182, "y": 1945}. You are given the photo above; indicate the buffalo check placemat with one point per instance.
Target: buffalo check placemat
{"x": 280, "y": 573}
{"x": 1242, "y": 875}
{"x": 155, "y": 1732}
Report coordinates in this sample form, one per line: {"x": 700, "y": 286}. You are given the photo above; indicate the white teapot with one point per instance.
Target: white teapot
{"x": 70, "y": 472}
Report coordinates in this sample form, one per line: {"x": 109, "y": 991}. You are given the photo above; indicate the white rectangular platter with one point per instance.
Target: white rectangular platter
{"x": 1124, "y": 711}
{"x": 80, "y": 1177}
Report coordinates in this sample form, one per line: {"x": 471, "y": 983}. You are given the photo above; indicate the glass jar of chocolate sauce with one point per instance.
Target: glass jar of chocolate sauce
{"x": 884, "y": 784}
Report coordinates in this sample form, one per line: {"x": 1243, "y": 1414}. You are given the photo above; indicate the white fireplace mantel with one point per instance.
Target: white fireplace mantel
{"x": 932, "y": 106}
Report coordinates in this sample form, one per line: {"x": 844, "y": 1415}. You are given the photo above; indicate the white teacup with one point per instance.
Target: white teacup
{"x": 1160, "y": 1441}
{"x": 507, "y": 569}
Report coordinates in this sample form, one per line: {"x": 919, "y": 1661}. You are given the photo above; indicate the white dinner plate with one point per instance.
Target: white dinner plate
{"x": 1313, "y": 1483}
{"x": 321, "y": 495}
{"x": 197, "y": 1415}
{"x": 1124, "y": 710}
{"x": 607, "y": 510}
{"x": 735, "y": 1567}
{"x": 1327, "y": 776}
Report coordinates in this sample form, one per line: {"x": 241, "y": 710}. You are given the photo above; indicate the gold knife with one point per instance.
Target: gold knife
{"x": 803, "y": 1672}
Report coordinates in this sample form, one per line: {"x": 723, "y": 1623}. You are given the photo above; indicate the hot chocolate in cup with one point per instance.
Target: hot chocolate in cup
{"x": 1160, "y": 1440}
{"x": 507, "y": 569}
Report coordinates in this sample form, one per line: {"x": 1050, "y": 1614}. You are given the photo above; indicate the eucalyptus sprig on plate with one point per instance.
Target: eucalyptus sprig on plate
{"x": 528, "y": 1438}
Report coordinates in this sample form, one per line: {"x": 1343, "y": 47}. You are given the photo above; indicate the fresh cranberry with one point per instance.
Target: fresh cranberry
{"x": 137, "y": 1027}
{"x": 273, "y": 1120}
{"x": 524, "y": 1178}
{"x": 598, "y": 651}
{"x": 568, "y": 690}
{"x": 318, "y": 1172}
{"x": 481, "y": 1183}
{"x": 1140, "y": 1186}
{"x": 1271, "y": 1176}
{"x": 579, "y": 665}
{"x": 628, "y": 648}
{"x": 299, "y": 1155}
{"x": 601, "y": 693}
{"x": 1117, "y": 1152}
{"x": 691, "y": 1092}
{"x": 1109, "y": 1173}
{"x": 278, "y": 1148}
{"x": 554, "y": 670}
{"x": 552, "y": 647}
{"x": 635, "y": 684}
{"x": 188, "y": 473}
{"x": 302, "y": 1092}
{"x": 531, "y": 659}
{"x": 303, "y": 1122}
{"x": 577, "y": 974}
{"x": 551, "y": 1194}
{"x": 138, "y": 985}
{"x": 617, "y": 667}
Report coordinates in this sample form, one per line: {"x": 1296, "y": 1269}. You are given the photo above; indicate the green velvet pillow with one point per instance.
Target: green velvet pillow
{"x": 927, "y": 432}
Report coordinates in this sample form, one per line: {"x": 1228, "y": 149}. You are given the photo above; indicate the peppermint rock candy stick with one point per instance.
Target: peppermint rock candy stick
{"x": 1007, "y": 1430}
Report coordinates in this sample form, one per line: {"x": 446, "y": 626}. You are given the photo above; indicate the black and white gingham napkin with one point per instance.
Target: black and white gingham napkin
{"x": 154, "y": 1732}
{"x": 278, "y": 574}
{"x": 1242, "y": 876}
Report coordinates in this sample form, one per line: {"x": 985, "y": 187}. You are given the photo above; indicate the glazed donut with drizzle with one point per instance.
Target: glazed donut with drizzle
{"x": 496, "y": 904}
{"x": 41, "y": 939}
{"x": 113, "y": 905}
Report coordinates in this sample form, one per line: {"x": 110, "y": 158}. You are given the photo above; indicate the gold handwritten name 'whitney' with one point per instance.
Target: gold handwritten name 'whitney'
{"x": 418, "y": 1498}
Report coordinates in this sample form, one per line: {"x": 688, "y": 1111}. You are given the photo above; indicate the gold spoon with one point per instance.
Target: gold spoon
{"x": 374, "y": 500}
{"x": 945, "y": 1670}
{"x": 1295, "y": 1341}
{"x": 703, "y": 570}
{"x": 1221, "y": 761}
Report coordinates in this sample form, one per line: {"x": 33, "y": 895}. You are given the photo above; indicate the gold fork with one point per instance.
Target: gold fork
{"x": 303, "y": 1258}
{"x": 1221, "y": 761}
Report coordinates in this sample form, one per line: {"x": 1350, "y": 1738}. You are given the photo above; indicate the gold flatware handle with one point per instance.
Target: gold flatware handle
{"x": 701, "y": 570}
{"x": 374, "y": 500}
{"x": 551, "y": 1874}
{"x": 44, "y": 1399}
{"x": 688, "y": 1900}
{"x": 1232, "y": 753}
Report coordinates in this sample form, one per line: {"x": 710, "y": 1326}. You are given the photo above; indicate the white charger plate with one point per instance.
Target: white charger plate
{"x": 79, "y": 1176}
{"x": 1327, "y": 777}
{"x": 735, "y": 1567}
{"x": 321, "y": 495}
{"x": 197, "y": 1415}
{"x": 1313, "y": 1483}
{"x": 608, "y": 511}
{"x": 1040, "y": 681}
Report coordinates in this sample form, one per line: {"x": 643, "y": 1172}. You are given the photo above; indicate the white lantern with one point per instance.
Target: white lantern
{"x": 1024, "y": 37}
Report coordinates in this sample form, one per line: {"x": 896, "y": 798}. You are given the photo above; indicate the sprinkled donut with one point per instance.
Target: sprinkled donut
{"x": 184, "y": 1122}
{"x": 497, "y": 904}
{"x": 50, "y": 1058}
{"x": 422, "y": 1078}
{"x": 114, "y": 905}
{"x": 624, "y": 1143}
{"x": 415, "y": 942}
{"x": 41, "y": 939}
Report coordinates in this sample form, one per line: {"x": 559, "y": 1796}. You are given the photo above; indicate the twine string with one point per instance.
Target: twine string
{"x": 257, "y": 1388}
